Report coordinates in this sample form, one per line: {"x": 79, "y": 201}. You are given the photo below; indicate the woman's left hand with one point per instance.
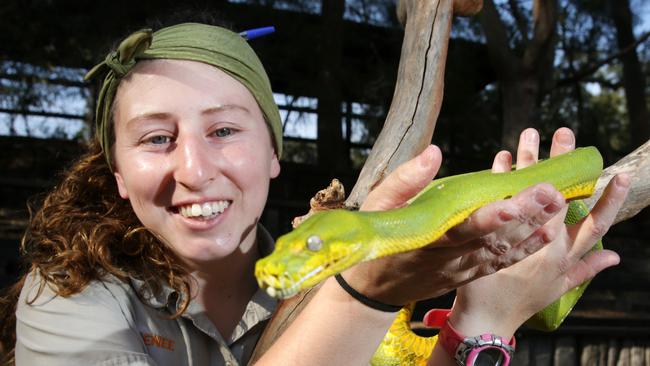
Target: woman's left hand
{"x": 501, "y": 302}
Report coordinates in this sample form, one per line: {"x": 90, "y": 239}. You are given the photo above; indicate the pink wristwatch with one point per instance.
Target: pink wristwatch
{"x": 484, "y": 350}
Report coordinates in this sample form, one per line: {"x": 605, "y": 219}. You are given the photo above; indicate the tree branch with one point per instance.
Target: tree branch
{"x": 520, "y": 20}
{"x": 587, "y": 71}
{"x": 603, "y": 82}
{"x": 544, "y": 20}
{"x": 502, "y": 58}
{"x": 636, "y": 164}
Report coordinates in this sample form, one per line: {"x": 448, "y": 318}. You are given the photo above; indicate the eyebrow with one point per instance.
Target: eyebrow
{"x": 163, "y": 115}
{"x": 224, "y": 107}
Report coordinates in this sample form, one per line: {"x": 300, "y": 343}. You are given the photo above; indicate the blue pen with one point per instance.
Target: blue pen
{"x": 256, "y": 32}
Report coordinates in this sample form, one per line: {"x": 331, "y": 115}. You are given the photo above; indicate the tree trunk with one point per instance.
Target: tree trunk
{"x": 520, "y": 109}
{"x": 633, "y": 77}
{"x": 332, "y": 149}
{"x": 522, "y": 78}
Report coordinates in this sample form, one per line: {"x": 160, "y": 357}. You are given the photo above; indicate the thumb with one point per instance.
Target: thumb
{"x": 405, "y": 182}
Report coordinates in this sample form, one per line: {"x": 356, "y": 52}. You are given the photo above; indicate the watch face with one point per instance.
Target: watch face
{"x": 489, "y": 357}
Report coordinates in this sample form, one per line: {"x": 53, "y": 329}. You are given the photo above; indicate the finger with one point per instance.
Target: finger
{"x": 500, "y": 225}
{"x": 589, "y": 266}
{"x": 502, "y": 162}
{"x": 528, "y": 149}
{"x": 501, "y": 254}
{"x": 405, "y": 182}
{"x": 530, "y": 245}
{"x": 563, "y": 141}
{"x": 594, "y": 226}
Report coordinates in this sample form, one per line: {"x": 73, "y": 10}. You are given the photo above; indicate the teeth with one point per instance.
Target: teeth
{"x": 196, "y": 209}
{"x": 205, "y": 209}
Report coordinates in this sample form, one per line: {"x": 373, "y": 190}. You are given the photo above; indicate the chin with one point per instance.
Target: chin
{"x": 205, "y": 252}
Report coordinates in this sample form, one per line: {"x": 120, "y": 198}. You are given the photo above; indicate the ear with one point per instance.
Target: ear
{"x": 275, "y": 166}
{"x": 121, "y": 187}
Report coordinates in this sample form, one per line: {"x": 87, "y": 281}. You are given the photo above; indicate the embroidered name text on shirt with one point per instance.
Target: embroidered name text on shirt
{"x": 158, "y": 341}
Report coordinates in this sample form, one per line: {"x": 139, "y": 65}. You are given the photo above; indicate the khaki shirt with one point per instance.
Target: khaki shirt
{"x": 108, "y": 324}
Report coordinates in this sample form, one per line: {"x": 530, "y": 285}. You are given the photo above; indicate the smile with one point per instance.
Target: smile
{"x": 205, "y": 209}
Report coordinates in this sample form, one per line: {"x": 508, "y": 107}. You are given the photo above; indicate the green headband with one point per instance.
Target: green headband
{"x": 212, "y": 45}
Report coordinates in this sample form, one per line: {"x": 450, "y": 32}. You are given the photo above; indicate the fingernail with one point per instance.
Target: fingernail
{"x": 565, "y": 138}
{"x": 426, "y": 158}
{"x": 504, "y": 156}
{"x": 505, "y": 216}
{"x": 423, "y": 159}
{"x": 531, "y": 136}
{"x": 551, "y": 208}
{"x": 622, "y": 180}
{"x": 542, "y": 197}
{"x": 554, "y": 205}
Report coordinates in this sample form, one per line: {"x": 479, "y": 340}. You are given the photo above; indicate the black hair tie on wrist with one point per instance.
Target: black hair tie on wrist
{"x": 365, "y": 300}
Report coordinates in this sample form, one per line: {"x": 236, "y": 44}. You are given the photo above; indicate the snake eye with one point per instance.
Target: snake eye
{"x": 314, "y": 243}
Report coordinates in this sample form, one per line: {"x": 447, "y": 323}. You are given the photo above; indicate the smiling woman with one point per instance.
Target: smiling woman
{"x": 190, "y": 151}
{"x": 190, "y": 143}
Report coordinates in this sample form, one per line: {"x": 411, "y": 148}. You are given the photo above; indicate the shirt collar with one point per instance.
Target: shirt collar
{"x": 168, "y": 297}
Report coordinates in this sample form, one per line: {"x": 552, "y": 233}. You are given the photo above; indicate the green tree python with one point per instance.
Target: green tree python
{"x": 331, "y": 241}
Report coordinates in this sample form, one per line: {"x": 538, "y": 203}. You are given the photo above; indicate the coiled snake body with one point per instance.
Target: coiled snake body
{"x": 332, "y": 241}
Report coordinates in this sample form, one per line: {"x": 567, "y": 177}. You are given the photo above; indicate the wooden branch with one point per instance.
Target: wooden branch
{"x": 637, "y": 164}
{"x": 418, "y": 93}
{"x": 409, "y": 125}
{"x": 461, "y": 8}
{"x": 467, "y": 7}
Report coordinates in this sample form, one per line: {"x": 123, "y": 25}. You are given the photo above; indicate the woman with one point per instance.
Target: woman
{"x": 144, "y": 253}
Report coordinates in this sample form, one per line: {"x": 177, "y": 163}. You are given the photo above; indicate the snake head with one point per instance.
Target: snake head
{"x": 323, "y": 245}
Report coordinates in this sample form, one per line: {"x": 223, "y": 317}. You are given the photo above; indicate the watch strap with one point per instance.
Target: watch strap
{"x": 449, "y": 337}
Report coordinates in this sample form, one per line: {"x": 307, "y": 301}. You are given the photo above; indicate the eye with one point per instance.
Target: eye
{"x": 314, "y": 243}
{"x": 223, "y": 132}
{"x": 158, "y": 140}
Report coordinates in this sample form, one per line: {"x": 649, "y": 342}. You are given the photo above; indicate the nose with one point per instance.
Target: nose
{"x": 194, "y": 167}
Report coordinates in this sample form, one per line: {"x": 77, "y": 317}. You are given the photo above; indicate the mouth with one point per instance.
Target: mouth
{"x": 277, "y": 286}
{"x": 283, "y": 287}
{"x": 202, "y": 211}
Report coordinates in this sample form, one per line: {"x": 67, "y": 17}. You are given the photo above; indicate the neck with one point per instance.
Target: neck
{"x": 225, "y": 287}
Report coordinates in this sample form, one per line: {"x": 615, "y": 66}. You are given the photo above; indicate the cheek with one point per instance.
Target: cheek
{"x": 247, "y": 161}
{"x": 142, "y": 177}
{"x": 137, "y": 163}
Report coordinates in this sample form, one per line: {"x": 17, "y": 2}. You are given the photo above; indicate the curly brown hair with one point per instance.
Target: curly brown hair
{"x": 84, "y": 231}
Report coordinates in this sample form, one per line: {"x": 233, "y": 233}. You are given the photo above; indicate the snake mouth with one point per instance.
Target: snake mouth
{"x": 283, "y": 286}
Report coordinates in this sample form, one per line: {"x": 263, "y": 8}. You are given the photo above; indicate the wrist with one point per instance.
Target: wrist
{"x": 373, "y": 284}
{"x": 369, "y": 302}
{"x": 339, "y": 297}
{"x": 476, "y": 323}
{"x": 484, "y": 348}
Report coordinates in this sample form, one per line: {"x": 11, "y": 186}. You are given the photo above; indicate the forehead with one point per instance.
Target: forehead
{"x": 169, "y": 84}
